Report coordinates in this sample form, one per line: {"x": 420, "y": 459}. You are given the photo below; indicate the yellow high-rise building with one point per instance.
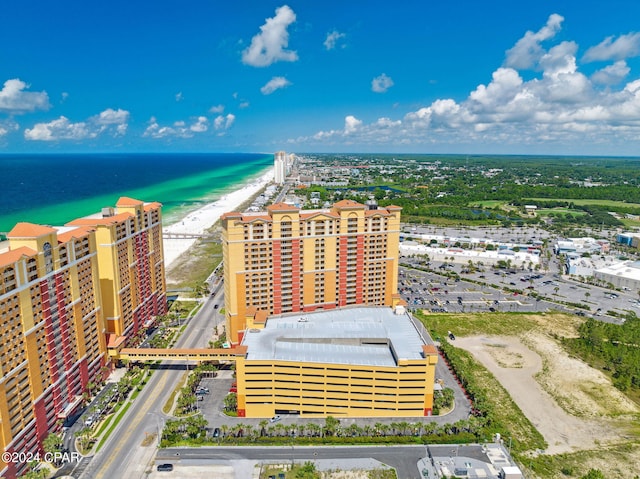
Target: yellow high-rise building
{"x": 131, "y": 266}
{"x": 311, "y": 298}
{"x": 53, "y": 332}
{"x": 287, "y": 260}
{"x": 69, "y": 296}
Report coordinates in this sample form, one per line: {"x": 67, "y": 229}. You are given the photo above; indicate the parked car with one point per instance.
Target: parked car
{"x": 216, "y": 432}
{"x": 165, "y": 467}
{"x": 275, "y": 419}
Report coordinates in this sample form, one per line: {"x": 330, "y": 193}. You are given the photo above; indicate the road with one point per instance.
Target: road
{"x": 403, "y": 458}
{"x": 123, "y": 454}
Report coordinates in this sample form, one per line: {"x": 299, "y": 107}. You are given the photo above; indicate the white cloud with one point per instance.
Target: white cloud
{"x": 558, "y": 106}
{"x": 109, "y": 121}
{"x": 332, "y": 39}
{"x": 201, "y": 125}
{"x": 7, "y": 126}
{"x": 244, "y": 104}
{"x": 14, "y": 98}
{"x": 527, "y": 51}
{"x": 611, "y": 74}
{"x": 269, "y": 46}
{"x": 179, "y": 96}
{"x": 224, "y": 122}
{"x": 216, "y": 109}
{"x": 179, "y": 129}
{"x": 111, "y": 117}
{"x": 351, "y": 124}
{"x": 115, "y": 120}
{"x": 381, "y": 84}
{"x": 60, "y": 129}
{"x": 276, "y": 83}
{"x": 625, "y": 46}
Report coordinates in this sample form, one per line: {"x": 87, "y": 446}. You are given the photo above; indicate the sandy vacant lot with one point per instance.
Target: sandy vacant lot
{"x": 572, "y": 405}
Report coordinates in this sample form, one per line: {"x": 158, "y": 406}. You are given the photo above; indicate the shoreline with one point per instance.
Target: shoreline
{"x": 199, "y": 221}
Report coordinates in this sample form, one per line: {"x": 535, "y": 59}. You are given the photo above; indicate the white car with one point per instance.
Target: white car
{"x": 275, "y": 419}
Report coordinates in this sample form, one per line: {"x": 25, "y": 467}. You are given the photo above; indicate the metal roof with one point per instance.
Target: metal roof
{"x": 356, "y": 336}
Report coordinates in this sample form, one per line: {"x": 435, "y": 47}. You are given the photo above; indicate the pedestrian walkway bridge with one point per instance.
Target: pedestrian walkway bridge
{"x": 186, "y": 235}
{"x": 153, "y": 354}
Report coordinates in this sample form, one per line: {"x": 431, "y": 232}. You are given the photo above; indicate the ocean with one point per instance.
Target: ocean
{"x": 54, "y": 189}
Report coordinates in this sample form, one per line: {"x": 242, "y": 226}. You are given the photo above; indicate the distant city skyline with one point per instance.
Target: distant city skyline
{"x": 466, "y": 77}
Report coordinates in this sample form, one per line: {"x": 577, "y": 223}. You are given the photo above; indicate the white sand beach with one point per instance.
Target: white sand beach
{"x": 197, "y": 222}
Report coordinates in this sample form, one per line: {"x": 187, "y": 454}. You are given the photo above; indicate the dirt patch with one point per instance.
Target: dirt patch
{"x": 560, "y": 395}
{"x": 505, "y": 357}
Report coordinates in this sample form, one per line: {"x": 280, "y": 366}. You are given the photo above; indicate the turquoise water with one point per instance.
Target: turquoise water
{"x": 55, "y": 189}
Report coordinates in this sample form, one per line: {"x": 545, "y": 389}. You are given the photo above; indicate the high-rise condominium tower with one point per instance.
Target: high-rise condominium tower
{"x": 290, "y": 260}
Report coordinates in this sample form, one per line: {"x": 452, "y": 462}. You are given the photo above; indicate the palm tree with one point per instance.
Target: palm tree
{"x": 52, "y": 443}
{"x": 263, "y": 426}
{"x": 84, "y": 435}
{"x": 430, "y": 428}
{"x": 195, "y": 426}
{"x": 314, "y": 429}
{"x": 331, "y": 426}
{"x": 278, "y": 429}
{"x": 235, "y": 430}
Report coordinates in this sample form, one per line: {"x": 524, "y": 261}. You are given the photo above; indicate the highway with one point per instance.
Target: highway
{"x": 123, "y": 455}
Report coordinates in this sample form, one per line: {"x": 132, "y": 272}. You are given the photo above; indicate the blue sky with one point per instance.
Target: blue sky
{"x": 529, "y": 76}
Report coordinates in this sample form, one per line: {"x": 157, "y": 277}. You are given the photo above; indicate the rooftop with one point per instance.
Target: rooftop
{"x": 373, "y": 336}
{"x": 626, "y": 269}
{"x": 474, "y": 460}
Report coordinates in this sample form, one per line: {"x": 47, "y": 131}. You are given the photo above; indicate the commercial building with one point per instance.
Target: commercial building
{"x": 629, "y": 239}
{"x": 581, "y": 245}
{"x": 288, "y": 260}
{"x": 621, "y": 275}
{"x": 67, "y": 295}
{"x": 354, "y": 361}
{"x": 131, "y": 268}
{"x": 53, "y": 332}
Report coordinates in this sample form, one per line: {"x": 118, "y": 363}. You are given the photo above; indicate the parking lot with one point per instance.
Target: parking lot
{"x": 450, "y": 287}
{"x": 433, "y": 292}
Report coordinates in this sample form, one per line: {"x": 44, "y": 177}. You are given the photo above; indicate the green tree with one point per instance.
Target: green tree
{"x": 231, "y": 402}
{"x": 52, "y": 443}
{"x": 307, "y": 471}
{"x": 331, "y": 426}
{"x": 263, "y": 427}
{"x": 34, "y": 473}
{"x": 195, "y": 426}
